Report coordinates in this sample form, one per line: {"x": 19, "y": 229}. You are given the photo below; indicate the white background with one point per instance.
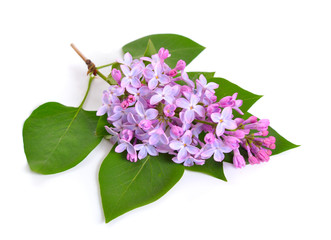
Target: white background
{"x": 280, "y": 49}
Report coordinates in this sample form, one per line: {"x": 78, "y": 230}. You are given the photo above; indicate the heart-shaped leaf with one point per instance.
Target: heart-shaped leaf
{"x": 125, "y": 185}
{"x": 57, "y": 137}
{"x": 179, "y": 47}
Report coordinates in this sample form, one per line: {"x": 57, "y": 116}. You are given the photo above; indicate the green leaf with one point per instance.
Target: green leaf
{"x": 125, "y": 185}
{"x": 227, "y": 88}
{"x": 211, "y": 167}
{"x": 150, "y": 49}
{"x": 179, "y": 47}
{"x": 282, "y": 144}
{"x": 57, "y": 137}
{"x": 195, "y": 75}
{"x": 100, "y": 130}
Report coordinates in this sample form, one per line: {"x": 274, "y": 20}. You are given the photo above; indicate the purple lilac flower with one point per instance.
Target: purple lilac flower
{"x": 184, "y": 146}
{"x": 191, "y": 107}
{"x": 150, "y": 113}
{"x": 223, "y": 120}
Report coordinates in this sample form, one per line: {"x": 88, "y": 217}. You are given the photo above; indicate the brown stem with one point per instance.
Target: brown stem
{"x": 90, "y": 65}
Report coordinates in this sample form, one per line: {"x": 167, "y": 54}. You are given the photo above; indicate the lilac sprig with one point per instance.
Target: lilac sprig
{"x": 150, "y": 113}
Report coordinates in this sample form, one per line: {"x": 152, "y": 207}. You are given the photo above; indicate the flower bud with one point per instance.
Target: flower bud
{"x": 131, "y": 158}
{"x": 213, "y": 108}
{"x": 238, "y": 160}
{"x": 145, "y": 124}
{"x": 131, "y": 99}
{"x": 177, "y": 131}
{"x": 239, "y": 134}
{"x": 253, "y": 160}
{"x": 227, "y": 102}
{"x": 181, "y": 64}
{"x": 209, "y": 138}
{"x": 126, "y": 135}
{"x": 163, "y": 53}
{"x": 185, "y": 88}
{"x": 125, "y": 104}
{"x": 116, "y": 74}
{"x": 172, "y": 73}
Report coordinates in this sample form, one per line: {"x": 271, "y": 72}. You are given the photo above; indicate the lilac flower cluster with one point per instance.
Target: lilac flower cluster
{"x": 155, "y": 109}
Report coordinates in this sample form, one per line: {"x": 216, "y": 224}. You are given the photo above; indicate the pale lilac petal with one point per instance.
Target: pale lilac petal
{"x": 102, "y": 110}
{"x": 140, "y": 109}
{"x": 176, "y": 160}
{"x": 176, "y": 145}
{"x": 219, "y": 129}
{"x": 154, "y": 139}
{"x": 120, "y": 148}
{"x": 229, "y": 124}
{"x": 139, "y": 146}
{"x": 192, "y": 149}
{"x": 130, "y": 149}
{"x": 167, "y": 90}
{"x": 218, "y": 156}
{"x": 199, "y": 162}
{"x": 182, "y": 154}
{"x": 136, "y": 82}
{"x": 207, "y": 153}
{"x": 164, "y": 139}
{"x": 132, "y": 119}
{"x": 202, "y": 80}
{"x": 152, "y": 83}
{"x": 212, "y": 86}
{"x": 111, "y": 131}
{"x": 125, "y": 82}
{"x": 126, "y": 70}
{"x": 194, "y": 100}
{"x": 136, "y": 70}
{"x": 227, "y": 113}
{"x": 239, "y": 103}
{"x": 200, "y": 110}
{"x": 158, "y": 69}
{"x": 188, "y": 162}
{"x": 155, "y": 99}
{"x": 149, "y": 74}
{"x": 187, "y": 80}
{"x": 115, "y": 116}
{"x": 131, "y": 90}
{"x": 183, "y": 103}
{"x": 189, "y": 116}
{"x": 170, "y": 99}
{"x": 216, "y": 117}
{"x": 163, "y": 79}
{"x": 151, "y": 150}
{"x": 151, "y": 114}
{"x": 127, "y": 59}
{"x": 187, "y": 137}
{"x": 144, "y": 90}
{"x": 142, "y": 153}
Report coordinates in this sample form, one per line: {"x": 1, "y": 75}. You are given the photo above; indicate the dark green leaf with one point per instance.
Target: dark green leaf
{"x": 211, "y": 168}
{"x": 150, "y": 49}
{"x": 227, "y": 88}
{"x": 102, "y": 122}
{"x": 195, "y": 75}
{"x": 179, "y": 47}
{"x": 125, "y": 185}
{"x": 57, "y": 137}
